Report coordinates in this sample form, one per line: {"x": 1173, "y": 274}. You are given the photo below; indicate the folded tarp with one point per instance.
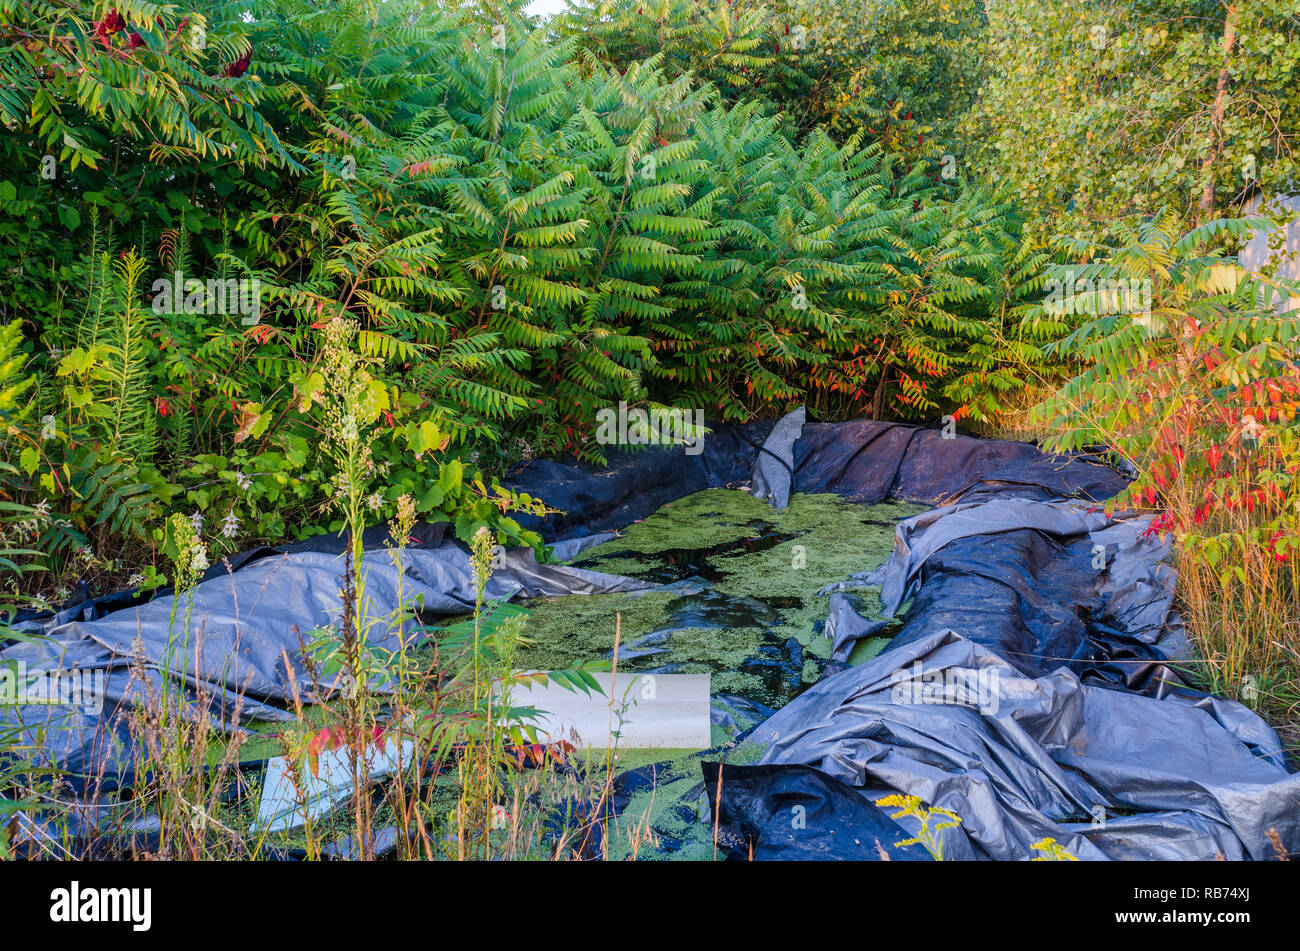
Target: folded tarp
{"x": 773, "y": 476}
{"x": 794, "y": 813}
{"x": 1106, "y": 773}
{"x": 235, "y": 644}
{"x": 1025, "y": 577}
{"x": 868, "y": 461}
{"x": 1028, "y": 693}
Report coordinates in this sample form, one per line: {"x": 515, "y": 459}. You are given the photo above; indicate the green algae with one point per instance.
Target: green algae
{"x": 563, "y": 631}
{"x": 757, "y": 631}
{"x": 665, "y": 817}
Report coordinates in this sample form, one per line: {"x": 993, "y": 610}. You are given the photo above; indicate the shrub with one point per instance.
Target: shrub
{"x": 1199, "y": 394}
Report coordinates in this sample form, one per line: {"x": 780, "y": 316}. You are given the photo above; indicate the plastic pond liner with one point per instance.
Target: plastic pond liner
{"x": 884, "y": 611}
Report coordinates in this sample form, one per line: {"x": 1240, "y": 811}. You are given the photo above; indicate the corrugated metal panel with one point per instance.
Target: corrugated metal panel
{"x": 1256, "y": 255}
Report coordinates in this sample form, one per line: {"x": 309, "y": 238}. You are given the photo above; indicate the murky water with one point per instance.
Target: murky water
{"x": 739, "y": 600}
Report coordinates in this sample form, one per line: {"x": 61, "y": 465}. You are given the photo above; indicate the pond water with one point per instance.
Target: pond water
{"x": 740, "y": 602}
{"x": 740, "y": 597}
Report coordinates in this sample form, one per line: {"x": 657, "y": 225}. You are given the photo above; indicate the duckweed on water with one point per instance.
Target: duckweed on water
{"x": 751, "y": 618}
{"x": 664, "y": 813}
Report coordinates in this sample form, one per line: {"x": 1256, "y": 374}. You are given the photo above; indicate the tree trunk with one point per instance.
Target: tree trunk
{"x": 1216, "y": 112}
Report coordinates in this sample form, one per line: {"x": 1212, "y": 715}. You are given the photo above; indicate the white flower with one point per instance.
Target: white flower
{"x": 243, "y": 481}
{"x": 376, "y": 501}
{"x": 349, "y": 429}
{"x": 41, "y": 511}
{"x": 198, "y": 560}
{"x": 196, "y": 522}
{"x": 135, "y": 580}
{"x": 48, "y": 428}
{"x": 230, "y": 525}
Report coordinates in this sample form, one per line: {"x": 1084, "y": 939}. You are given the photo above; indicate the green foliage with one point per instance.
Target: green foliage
{"x": 839, "y": 275}
{"x": 899, "y": 73}
{"x": 19, "y": 524}
{"x": 520, "y": 232}
{"x": 1164, "y": 370}
{"x": 1200, "y": 394}
{"x": 77, "y": 77}
{"x": 1099, "y": 110}
{"x": 734, "y": 46}
{"x": 907, "y": 73}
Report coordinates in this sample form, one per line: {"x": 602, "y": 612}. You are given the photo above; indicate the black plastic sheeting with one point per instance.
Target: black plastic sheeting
{"x": 1028, "y": 691}
{"x": 635, "y": 483}
{"x": 868, "y": 461}
{"x": 786, "y": 813}
{"x": 243, "y": 655}
{"x": 863, "y": 460}
{"x": 1105, "y": 772}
